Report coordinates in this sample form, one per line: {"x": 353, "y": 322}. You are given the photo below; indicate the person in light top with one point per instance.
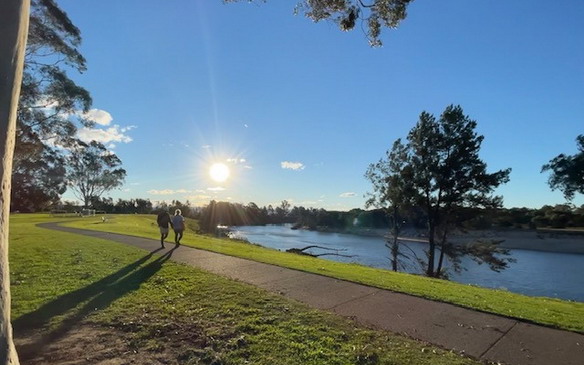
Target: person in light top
{"x": 178, "y": 224}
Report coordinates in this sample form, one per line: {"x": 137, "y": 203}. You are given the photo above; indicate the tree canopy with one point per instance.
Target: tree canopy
{"x": 375, "y": 14}
{"x": 567, "y": 171}
{"x": 440, "y": 171}
{"x": 51, "y": 107}
{"x": 93, "y": 170}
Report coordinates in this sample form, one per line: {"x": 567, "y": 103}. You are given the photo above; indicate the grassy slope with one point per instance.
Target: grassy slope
{"x": 553, "y": 312}
{"x": 60, "y": 279}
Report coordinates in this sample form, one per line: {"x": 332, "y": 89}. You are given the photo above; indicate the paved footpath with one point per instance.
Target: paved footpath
{"x": 480, "y": 335}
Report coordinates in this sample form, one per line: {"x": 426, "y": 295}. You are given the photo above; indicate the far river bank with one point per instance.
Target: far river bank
{"x": 547, "y": 240}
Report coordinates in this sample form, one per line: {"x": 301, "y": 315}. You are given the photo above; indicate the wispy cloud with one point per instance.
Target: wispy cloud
{"x": 236, "y": 160}
{"x": 218, "y": 188}
{"x": 167, "y": 191}
{"x": 348, "y": 195}
{"x": 292, "y": 165}
{"x": 206, "y": 146}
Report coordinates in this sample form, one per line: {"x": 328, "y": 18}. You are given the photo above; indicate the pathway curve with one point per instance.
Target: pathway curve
{"x": 480, "y": 335}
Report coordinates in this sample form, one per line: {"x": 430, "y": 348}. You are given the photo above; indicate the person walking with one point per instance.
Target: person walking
{"x": 163, "y": 221}
{"x": 178, "y": 224}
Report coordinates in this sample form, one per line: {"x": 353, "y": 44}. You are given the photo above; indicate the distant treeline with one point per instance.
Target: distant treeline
{"x": 236, "y": 214}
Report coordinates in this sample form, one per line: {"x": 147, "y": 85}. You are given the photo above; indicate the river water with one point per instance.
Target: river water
{"x": 536, "y": 273}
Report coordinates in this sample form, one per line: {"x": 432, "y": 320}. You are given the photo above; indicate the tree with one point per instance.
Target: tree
{"x": 444, "y": 175}
{"x": 347, "y": 14}
{"x": 567, "y": 171}
{"x": 13, "y": 34}
{"x": 390, "y": 178}
{"x": 92, "y": 170}
{"x": 50, "y": 107}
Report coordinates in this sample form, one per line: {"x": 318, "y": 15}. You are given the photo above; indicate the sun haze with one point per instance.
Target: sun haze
{"x": 219, "y": 172}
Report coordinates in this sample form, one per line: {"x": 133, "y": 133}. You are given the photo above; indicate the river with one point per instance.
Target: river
{"x": 536, "y": 273}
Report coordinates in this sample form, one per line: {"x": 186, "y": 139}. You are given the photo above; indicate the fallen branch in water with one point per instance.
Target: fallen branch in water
{"x": 302, "y": 251}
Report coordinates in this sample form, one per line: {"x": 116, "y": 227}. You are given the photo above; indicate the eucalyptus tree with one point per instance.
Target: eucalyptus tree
{"x": 93, "y": 170}
{"x": 13, "y": 34}
{"x": 51, "y": 106}
{"x": 375, "y": 14}
{"x": 567, "y": 171}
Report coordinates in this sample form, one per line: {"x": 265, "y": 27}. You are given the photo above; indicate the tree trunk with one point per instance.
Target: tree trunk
{"x": 442, "y": 249}
{"x": 13, "y": 32}
{"x": 431, "y": 250}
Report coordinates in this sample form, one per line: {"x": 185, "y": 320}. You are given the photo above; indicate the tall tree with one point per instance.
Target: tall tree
{"x": 93, "y": 170}
{"x": 51, "y": 106}
{"x": 390, "y": 179}
{"x": 376, "y": 14}
{"x": 444, "y": 175}
{"x": 13, "y": 34}
{"x": 567, "y": 171}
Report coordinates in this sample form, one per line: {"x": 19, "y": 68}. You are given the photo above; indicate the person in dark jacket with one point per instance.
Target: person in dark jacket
{"x": 163, "y": 221}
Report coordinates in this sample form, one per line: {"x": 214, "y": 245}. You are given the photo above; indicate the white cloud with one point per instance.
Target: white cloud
{"x": 167, "y": 191}
{"x": 236, "y": 160}
{"x": 206, "y": 146}
{"x": 161, "y": 192}
{"x": 247, "y": 167}
{"x": 348, "y": 195}
{"x": 218, "y": 188}
{"x": 109, "y": 135}
{"x": 292, "y": 165}
{"x": 98, "y": 116}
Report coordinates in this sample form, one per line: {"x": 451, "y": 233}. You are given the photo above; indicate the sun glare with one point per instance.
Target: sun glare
{"x": 219, "y": 172}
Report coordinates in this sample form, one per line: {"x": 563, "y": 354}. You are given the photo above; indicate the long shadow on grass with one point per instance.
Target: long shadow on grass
{"x": 96, "y": 296}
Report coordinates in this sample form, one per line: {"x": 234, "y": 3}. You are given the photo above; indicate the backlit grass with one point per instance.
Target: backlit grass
{"x": 60, "y": 280}
{"x": 549, "y": 311}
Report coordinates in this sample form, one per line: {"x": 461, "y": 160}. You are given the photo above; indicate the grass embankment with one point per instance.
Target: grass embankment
{"x": 552, "y": 312}
{"x": 171, "y": 313}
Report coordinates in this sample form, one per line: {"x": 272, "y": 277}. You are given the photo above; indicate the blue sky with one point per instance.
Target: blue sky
{"x": 190, "y": 83}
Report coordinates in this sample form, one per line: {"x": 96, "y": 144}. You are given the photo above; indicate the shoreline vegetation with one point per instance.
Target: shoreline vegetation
{"x": 562, "y": 314}
{"x": 547, "y": 240}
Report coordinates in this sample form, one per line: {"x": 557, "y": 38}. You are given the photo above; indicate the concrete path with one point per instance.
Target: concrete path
{"x": 480, "y": 335}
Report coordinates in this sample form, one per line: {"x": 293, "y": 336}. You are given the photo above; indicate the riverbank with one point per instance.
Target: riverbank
{"x": 547, "y": 240}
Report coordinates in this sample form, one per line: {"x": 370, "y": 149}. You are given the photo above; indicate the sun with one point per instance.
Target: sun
{"x": 219, "y": 172}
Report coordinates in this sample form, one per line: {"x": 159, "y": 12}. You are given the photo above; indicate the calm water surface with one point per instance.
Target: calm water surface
{"x": 557, "y": 275}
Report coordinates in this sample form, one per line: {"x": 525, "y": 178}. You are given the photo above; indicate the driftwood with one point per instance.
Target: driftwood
{"x": 302, "y": 251}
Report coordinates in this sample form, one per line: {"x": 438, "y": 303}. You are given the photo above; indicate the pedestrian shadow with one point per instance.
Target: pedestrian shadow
{"x": 96, "y": 296}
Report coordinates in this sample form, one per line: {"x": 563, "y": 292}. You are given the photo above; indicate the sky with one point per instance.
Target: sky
{"x": 297, "y": 110}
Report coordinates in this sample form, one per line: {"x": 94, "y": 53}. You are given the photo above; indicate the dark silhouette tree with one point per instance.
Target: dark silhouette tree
{"x": 442, "y": 173}
{"x": 390, "y": 178}
{"x": 567, "y": 171}
{"x": 93, "y": 170}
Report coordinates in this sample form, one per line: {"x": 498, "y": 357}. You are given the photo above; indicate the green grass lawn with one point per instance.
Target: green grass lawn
{"x": 61, "y": 280}
{"x": 552, "y": 312}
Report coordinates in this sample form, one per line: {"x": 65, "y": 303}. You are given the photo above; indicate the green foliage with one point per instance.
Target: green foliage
{"x": 567, "y": 171}
{"x": 438, "y": 170}
{"x": 553, "y": 312}
{"x": 349, "y": 14}
{"x": 93, "y": 170}
{"x": 49, "y": 107}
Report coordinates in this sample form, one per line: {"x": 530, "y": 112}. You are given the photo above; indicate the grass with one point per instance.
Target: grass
{"x": 60, "y": 280}
{"x": 552, "y": 312}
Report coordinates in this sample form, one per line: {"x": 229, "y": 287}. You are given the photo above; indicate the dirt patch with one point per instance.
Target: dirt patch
{"x": 94, "y": 344}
